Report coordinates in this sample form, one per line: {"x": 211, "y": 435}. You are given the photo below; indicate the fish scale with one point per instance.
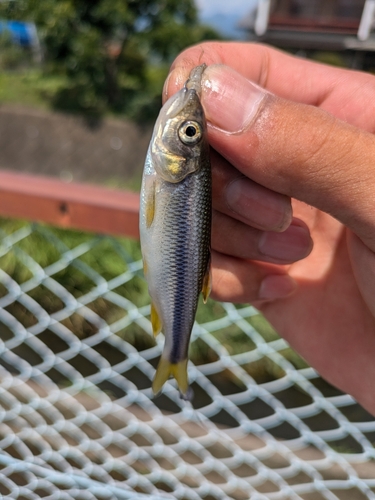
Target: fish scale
{"x": 184, "y": 267}
{"x": 175, "y": 225}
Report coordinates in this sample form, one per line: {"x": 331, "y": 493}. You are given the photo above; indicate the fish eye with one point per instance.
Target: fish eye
{"x": 190, "y": 132}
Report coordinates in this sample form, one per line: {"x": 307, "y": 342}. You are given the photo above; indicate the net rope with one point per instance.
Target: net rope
{"x": 77, "y": 416}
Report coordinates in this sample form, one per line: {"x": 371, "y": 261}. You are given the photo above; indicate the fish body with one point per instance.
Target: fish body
{"x": 175, "y": 225}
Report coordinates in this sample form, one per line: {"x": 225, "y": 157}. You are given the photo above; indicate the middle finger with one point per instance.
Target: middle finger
{"x": 234, "y": 238}
{"x": 241, "y": 198}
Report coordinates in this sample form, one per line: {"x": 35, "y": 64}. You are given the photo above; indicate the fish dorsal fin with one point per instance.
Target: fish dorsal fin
{"x": 207, "y": 282}
{"x": 155, "y": 320}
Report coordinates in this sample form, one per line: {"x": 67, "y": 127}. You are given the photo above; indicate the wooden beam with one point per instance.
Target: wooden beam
{"x": 70, "y": 205}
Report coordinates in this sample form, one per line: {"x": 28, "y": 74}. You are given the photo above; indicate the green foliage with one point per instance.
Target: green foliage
{"x": 331, "y": 58}
{"x": 11, "y": 56}
{"x": 104, "y": 47}
{"x": 30, "y": 88}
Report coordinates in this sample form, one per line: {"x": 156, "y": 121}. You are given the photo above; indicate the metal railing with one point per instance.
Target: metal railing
{"x": 77, "y": 416}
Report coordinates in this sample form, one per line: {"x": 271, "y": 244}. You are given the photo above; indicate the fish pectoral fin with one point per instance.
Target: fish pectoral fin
{"x": 165, "y": 370}
{"x": 150, "y": 205}
{"x": 207, "y": 282}
{"x": 155, "y": 320}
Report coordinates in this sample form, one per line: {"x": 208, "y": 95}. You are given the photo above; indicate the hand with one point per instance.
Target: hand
{"x": 304, "y": 140}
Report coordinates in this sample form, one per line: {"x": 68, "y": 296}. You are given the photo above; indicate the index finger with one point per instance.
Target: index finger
{"x": 347, "y": 94}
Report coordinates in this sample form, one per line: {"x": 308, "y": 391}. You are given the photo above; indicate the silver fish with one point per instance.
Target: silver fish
{"x": 175, "y": 226}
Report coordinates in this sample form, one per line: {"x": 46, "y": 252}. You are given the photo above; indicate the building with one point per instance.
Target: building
{"x": 344, "y": 26}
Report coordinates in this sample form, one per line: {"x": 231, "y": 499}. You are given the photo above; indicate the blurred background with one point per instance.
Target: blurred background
{"x": 80, "y": 82}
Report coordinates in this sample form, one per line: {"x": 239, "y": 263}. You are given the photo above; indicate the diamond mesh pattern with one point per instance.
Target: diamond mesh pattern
{"x": 77, "y": 417}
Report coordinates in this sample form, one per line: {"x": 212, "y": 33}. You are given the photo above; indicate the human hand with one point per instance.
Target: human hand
{"x": 323, "y": 304}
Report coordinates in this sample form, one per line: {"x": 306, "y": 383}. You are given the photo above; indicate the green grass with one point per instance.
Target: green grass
{"x": 29, "y": 88}
{"x": 108, "y": 258}
{"x": 38, "y": 88}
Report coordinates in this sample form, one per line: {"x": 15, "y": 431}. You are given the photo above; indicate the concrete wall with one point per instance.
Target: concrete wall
{"x": 69, "y": 147}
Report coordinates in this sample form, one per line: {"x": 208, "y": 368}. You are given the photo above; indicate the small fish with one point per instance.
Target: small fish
{"x": 175, "y": 226}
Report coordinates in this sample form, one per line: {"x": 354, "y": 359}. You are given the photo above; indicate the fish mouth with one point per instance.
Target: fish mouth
{"x": 189, "y": 94}
{"x": 194, "y": 82}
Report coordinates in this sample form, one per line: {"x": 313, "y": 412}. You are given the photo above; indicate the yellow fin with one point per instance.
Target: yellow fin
{"x": 167, "y": 369}
{"x": 145, "y": 266}
{"x": 150, "y": 205}
{"x": 155, "y": 321}
{"x": 207, "y": 282}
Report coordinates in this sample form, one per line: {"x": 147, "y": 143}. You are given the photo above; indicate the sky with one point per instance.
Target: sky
{"x": 211, "y": 7}
{"x": 225, "y": 14}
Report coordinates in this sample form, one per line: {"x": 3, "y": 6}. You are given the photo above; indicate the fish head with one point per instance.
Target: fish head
{"x": 180, "y": 134}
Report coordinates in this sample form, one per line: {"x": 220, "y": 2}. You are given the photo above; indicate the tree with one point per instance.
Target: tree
{"x": 102, "y": 47}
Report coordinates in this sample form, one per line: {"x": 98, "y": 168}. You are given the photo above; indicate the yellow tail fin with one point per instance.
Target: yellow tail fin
{"x": 178, "y": 370}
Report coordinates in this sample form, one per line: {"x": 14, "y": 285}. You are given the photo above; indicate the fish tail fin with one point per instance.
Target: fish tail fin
{"x": 177, "y": 370}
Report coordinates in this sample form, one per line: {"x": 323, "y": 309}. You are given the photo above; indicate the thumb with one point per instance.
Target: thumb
{"x": 294, "y": 149}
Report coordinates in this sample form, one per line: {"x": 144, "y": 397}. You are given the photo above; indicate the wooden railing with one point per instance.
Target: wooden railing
{"x": 70, "y": 205}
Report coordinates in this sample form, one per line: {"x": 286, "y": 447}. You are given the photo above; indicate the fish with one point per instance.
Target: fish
{"x": 175, "y": 226}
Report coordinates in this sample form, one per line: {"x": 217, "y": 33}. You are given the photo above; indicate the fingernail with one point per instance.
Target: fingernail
{"x": 277, "y": 287}
{"x": 230, "y": 101}
{"x": 293, "y": 244}
{"x": 258, "y": 205}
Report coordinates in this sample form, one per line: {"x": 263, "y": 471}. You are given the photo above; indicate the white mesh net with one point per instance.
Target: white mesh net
{"x": 77, "y": 417}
